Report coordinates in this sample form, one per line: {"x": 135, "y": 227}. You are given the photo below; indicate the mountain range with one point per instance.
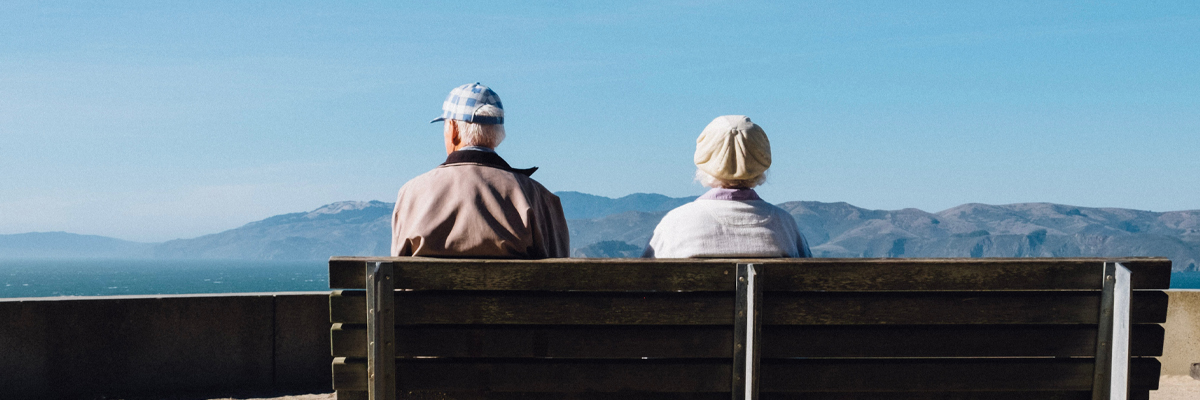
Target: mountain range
{"x": 621, "y": 227}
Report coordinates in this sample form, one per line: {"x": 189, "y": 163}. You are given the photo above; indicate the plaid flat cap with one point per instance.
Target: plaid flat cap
{"x": 466, "y": 99}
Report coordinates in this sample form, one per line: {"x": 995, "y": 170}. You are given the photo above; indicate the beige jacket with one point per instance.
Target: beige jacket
{"x": 476, "y": 206}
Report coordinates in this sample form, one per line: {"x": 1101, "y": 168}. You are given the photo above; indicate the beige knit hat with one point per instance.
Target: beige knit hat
{"x": 733, "y": 148}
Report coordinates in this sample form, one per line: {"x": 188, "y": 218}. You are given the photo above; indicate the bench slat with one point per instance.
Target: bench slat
{"x": 714, "y": 308}
{"x": 352, "y": 395}
{"x": 801, "y": 376}
{"x": 521, "y": 341}
{"x": 779, "y": 376}
{"x": 1040, "y": 395}
{"x": 778, "y": 274}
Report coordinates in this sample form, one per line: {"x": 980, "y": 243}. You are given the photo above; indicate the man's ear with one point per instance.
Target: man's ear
{"x": 455, "y": 139}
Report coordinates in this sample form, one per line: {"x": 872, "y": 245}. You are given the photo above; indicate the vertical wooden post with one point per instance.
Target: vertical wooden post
{"x": 746, "y": 323}
{"x": 1111, "y": 377}
{"x": 381, "y": 331}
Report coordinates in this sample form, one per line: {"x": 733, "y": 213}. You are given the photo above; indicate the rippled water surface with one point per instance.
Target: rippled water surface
{"x": 40, "y": 278}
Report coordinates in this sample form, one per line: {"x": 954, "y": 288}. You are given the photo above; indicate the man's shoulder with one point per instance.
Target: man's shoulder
{"x": 472, "y": 174}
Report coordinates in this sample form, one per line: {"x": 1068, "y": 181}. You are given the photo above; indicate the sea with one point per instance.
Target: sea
{"x": 106, "y": 277}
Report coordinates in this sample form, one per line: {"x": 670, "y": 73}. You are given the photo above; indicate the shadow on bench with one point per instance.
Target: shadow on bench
{"x": 785, "y": 328}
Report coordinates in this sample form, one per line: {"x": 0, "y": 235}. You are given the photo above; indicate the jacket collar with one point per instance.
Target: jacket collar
{"x": 730, "y": 194}
{"x": 484, "y": 158}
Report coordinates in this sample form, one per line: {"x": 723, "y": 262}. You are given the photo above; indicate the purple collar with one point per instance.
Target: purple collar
{"x": 730, "y": 194}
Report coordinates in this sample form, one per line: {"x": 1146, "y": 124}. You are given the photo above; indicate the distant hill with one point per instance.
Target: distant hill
{"x": 69, "y": 245}
{"x": 606, "y": 227}
{"x": 350, "y": 228}
{"x": 586, "y": 206}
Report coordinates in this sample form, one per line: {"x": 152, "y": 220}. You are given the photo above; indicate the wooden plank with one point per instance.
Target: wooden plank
{"x": 350, "y": 374}
{"x": 381, "y": 331}
{"x": 558, "y": 308}
{"x": 779, "y": 308}
{"x": 351, "y": 395}
{"x": 564, "y": 375}
{"x": 784, "y": 274}
{"x": 348, "y": 340}
{"x": 552, "y": 274}
{"x": 917, "y": 308}
{"x": 1007, "y": 395}
{"x": 347, "y": 273}
{"x": 636, "y": 341}
{"x": 802, "y": 376}
{"x": 783, "y": 341}
{"x": 779, "y": 376}
{"x": 1039, "y": 395}
{"x": 953, "y": 274}
{"x": 481, "y": 395}
{"x": 536, "y": 341}
{"x": 348, "y": 306}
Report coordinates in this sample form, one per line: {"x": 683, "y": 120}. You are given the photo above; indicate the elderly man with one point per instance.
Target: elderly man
{"x": 475, "y": 205}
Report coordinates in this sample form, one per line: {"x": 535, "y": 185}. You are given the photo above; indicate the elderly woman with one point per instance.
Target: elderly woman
{"x": 732, "y": 154}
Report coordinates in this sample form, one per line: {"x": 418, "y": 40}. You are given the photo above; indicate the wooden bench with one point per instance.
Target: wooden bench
{"x": 786, "y": 328}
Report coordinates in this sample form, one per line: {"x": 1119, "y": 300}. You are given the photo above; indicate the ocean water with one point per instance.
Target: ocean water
{"x": 75, "y": 277}
{"x": 1185, "y": 280}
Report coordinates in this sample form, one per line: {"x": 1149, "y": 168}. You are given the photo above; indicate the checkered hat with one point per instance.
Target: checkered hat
{"x": 466, "y": 99}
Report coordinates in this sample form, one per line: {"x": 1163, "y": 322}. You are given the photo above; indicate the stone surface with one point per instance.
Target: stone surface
{"x": 1181, "y": 345}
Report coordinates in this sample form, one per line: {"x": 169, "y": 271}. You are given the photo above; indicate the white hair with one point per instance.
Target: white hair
{"x": 486, "y": 135}
{"x": 713, "y": 182}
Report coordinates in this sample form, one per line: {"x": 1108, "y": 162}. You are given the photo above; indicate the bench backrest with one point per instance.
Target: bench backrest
{"x": 814, "y": 328}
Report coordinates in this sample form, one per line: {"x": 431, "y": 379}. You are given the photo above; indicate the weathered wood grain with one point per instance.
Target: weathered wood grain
{"x": 347, "y": 273}
{"x": 779, "y": 274}
{"x": 716, "y": 308}
{"x": 526, "y": 341}
{"x": 784, "y": 341}
{"x": 779, "y": 376}
{"x": 917, "y": 308}
{"x": 802, "y": 376}
{"x": 1009, "y": 395}
{"x": 565, "y": 376}
{"x": 349, "y": 374}
{"x": 351, "y": 395}
{"x": 534, "y": 341}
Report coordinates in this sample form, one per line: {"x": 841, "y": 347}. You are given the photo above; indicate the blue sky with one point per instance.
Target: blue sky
{"x": 157, "y": 120}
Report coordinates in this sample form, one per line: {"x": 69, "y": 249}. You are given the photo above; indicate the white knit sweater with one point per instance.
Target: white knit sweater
{"x": 727, "y": 228}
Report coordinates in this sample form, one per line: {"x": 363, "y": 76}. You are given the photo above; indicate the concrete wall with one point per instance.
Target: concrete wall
{"x": 1181, "y": 346}
{"x": 206, "y": 345}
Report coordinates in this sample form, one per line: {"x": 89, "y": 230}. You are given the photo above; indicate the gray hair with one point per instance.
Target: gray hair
{"x": 717, "y": 183}
{"x": 486, "y": 135}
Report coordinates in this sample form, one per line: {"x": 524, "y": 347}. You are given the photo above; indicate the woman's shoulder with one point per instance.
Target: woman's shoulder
{"x": 687, "y": 211}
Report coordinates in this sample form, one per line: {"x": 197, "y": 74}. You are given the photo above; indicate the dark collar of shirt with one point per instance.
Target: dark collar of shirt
{"x": 730, "y": 194}
{"x": 490, "y": 159}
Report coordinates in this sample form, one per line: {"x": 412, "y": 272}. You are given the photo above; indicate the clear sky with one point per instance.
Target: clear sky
{"x": 157, "y": 120}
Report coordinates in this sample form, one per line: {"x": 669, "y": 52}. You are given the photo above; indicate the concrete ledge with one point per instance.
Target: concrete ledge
{"x": 155, "y": 345}
{"x": 1181, "y": 345}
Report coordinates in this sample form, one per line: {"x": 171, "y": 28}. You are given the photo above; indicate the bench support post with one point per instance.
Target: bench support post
{"x": 746, "y": 324}
{"x": 381, "y": 331}
{"x": 1111, "y": 380}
